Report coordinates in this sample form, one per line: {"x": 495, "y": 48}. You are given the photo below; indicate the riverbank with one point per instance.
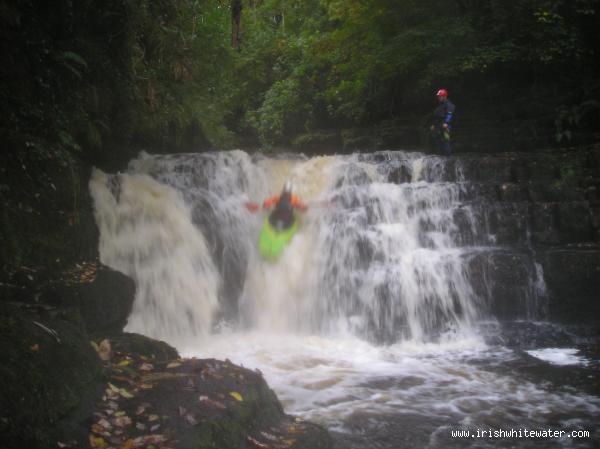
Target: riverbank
{"x": 71, "y": 378}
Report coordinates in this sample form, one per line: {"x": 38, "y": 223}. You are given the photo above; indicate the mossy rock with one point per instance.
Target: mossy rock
{"x": 142, "y": 346}
{"x": 49, "y": 376}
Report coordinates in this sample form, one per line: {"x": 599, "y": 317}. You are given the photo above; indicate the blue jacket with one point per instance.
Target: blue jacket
{"x": 443, "y": 114}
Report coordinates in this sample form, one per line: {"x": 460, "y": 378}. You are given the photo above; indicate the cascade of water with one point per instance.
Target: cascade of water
{"x": 146, "y": 232}
{"x": 373, "y": 257}
{"x": 388, "y": 265}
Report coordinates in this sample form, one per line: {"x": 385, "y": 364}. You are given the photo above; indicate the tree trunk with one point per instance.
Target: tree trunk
{"x": 236, "y": 17}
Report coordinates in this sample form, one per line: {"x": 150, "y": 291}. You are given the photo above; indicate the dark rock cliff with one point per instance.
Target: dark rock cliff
{"x": 542, "y": 209}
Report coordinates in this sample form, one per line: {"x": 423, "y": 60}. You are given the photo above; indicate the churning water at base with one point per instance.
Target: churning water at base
{"x": 367, "y": 324}
{"x": 408, "y": 395}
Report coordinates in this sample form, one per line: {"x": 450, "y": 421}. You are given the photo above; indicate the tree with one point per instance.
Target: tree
{"x": 236, "y": 17}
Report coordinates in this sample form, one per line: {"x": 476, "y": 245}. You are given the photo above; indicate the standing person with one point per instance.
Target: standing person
{"x": 442, "y": 118}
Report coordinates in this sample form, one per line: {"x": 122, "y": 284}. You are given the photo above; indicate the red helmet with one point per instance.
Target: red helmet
{"x": 442, "y": 93}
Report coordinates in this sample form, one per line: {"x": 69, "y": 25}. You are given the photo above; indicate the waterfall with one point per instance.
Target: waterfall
{"x": 380, "y": 253}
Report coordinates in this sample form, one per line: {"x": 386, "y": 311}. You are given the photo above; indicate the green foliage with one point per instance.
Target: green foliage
{"x": 160, "y": 72}
{"x": 283, "y": 102}
{"x": 322, "y": 63}
{"x": 86, "y": 74}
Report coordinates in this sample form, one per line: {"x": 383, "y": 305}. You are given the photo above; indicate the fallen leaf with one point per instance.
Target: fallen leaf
{"x": 212, "y": 403}
{"x": 128, "y": 444}
{"x": 141, "y": 409}
{"x": 182, "y": 411}
{"x": 120, "y": 413}
{"x": 113, "y": 388}
{"x": 256, "y": 443}
{"x": 235, "y": 395}
{"x": 97, "y": 442}
{"x": 122, "y": 421}
{"x": 155, "y": 427}
{"x": 152, "y": 418}
{"x": 146, "y": 367}
{"x": 111, "y": 394}
{"x": 140, "y": 426}
{"x": 124, "y": 362}
{"x": 146, "y": 386}
{"x": 126, "y": 394}
{"x": 148, "y": 439}
{"x": 191, "y": 419}
{"x": 104, "y": 423}
{"x": 99, "y": 430}
{"x": 104, "y": 350}
{"x": 173, "y": 365}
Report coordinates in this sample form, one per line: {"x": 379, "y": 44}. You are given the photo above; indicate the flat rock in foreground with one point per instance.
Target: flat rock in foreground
{"x": 192, "y": 403}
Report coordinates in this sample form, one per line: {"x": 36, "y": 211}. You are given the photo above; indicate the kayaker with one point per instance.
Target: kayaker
{"x": 442, "y": 118}
{"x": 282, "y": 216}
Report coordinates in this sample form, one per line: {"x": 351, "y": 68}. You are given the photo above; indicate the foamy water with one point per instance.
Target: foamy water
{"x": 559, "y": 356}
{"x": 368, "y": 323}
{"x": 451, "y": 385}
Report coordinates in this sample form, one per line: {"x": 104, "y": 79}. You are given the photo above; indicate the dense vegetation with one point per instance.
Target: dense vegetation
{"x": 92, "y": 82}
{"x": 91, "y": 74}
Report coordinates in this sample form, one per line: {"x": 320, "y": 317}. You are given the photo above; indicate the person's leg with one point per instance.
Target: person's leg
{"x": 435, "y": 141}
{"x": 446, "y": 147}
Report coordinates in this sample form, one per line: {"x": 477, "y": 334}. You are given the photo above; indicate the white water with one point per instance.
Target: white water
{"x": 559, "y": 356}
{"x": 372, "y": 262}
{"x": 446, "y": 386}
{"x": 371, "y": 258}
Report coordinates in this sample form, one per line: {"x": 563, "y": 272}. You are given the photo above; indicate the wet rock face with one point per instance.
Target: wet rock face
{"x": 573, "y": 278}
{"x": 49, "y": 376}
{"x": 507, "y": 279}
{"x": 540, "y": 207}
{"x": 106, "y": 302}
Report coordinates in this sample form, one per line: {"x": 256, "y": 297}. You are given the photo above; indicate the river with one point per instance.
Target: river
{"x": 370, "y": 323}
